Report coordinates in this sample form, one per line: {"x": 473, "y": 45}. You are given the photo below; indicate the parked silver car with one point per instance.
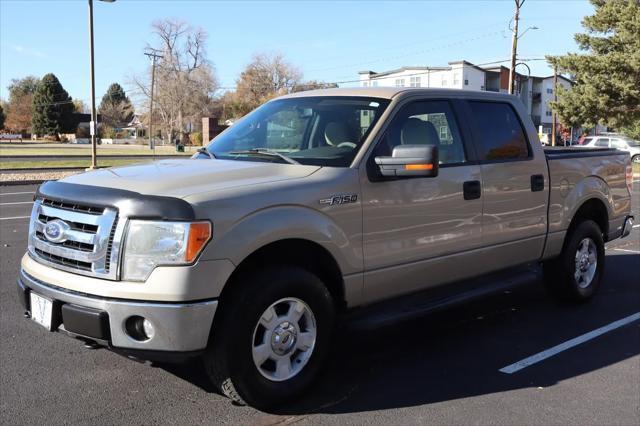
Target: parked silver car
{"x": 615, "y": 141}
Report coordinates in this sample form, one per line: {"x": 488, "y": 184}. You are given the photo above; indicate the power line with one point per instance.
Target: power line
{"x": 430, "y": 49}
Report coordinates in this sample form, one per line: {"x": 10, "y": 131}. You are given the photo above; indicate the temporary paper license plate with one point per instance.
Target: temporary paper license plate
{"x": 41, "y": 310}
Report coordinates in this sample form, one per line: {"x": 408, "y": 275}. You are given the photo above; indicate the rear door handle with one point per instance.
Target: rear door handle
{"x": 537, "y": 183}
{"x": 471, "y": 189}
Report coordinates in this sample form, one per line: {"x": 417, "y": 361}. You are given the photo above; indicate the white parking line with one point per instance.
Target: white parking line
{"x": 524, "y": 363}
{"x": 635, "y": 226}
{"x": 627, "y": 250}
{"x": 16, "y": 193}
{"x": 13, "y": 204}
{"x": 15, "y": 217}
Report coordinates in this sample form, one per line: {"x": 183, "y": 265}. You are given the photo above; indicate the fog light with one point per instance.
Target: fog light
{"x": 139, "y": 328}
{"x": 148, "y": 328}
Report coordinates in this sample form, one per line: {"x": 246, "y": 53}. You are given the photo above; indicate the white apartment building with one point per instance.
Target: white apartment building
{"x": 535, "y": 92}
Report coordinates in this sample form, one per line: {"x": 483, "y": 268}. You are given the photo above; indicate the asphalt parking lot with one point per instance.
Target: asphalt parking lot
{"x": 440, "y": 369}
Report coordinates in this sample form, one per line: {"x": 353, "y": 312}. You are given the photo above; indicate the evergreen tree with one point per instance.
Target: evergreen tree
{"x": 607, "y": 77}
{"x": 115, "y": 108}
{"x": 52, "y": 108}
{"x": 2, "y": 117}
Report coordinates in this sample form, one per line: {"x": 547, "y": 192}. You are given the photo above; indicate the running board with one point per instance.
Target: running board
{"x": 416, "y": 305}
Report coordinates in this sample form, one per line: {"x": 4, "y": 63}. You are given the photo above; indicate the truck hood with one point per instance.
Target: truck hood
{"x": 182, "y": 178}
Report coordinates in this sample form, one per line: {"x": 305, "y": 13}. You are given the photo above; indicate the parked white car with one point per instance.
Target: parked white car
{"x": 619, "y": 142}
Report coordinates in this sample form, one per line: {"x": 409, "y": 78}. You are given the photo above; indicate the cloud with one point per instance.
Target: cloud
{"x": 28, "y": 51}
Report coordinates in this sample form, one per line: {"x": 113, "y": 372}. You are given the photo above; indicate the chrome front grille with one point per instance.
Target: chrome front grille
{"x": 89, "y": 243}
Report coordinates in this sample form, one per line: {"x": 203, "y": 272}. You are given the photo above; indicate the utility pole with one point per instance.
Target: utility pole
{"x": 153, "y": 57}
{"x": 93, "y": 125}
{"x": 514, "y": 45}
{"x": 555, "y": 99}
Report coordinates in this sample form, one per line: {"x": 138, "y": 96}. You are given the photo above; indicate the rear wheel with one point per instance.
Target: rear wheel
{"x": 272, "y": 336}
{"x": 576, "y": 274}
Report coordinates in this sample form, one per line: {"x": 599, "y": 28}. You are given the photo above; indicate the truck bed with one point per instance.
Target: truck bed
{"x": 576, "y": 174}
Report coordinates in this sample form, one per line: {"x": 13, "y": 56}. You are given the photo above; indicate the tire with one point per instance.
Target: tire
{"x": 635, "y": 159}
{"x": 241, "y": 330}
{"x": 576, "y": 274}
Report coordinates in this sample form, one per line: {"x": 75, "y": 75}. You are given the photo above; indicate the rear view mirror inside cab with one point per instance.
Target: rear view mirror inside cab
{"x": 410, "y": 161}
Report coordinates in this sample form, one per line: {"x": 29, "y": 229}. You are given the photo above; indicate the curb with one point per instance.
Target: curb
{"x": 54, "y": 157}
{"x": 23, "y": 182}
{"x": 48, "y": 169}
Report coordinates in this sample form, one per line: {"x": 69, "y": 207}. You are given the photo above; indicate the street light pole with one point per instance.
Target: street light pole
{"x": 93, "y": 125}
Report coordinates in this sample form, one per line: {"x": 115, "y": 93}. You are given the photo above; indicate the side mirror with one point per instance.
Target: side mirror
{"x": 410, "y": 161}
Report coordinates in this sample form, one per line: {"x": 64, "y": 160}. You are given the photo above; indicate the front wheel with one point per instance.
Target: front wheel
{"x": 272, "y": 336}
{"x": 576, "y": 274}
{"x": 635, "y": 159}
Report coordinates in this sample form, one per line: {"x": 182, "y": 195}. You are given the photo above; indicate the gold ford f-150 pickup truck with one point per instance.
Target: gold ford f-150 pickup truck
{"x": 317, "y": 206}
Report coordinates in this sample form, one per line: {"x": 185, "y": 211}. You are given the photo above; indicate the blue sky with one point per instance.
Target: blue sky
{"x": 329, "y": 40}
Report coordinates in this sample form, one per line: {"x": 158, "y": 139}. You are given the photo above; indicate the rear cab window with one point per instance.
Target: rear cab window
{"x": 499, "y": 132}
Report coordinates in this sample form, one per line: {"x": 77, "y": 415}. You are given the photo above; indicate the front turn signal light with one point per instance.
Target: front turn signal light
{"x": 199, "y": 236}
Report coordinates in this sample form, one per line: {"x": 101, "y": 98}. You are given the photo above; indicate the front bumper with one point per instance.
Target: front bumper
{"x": 179, "y": 327}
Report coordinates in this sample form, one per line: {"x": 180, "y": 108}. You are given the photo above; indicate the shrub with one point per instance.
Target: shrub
{"x": 107, "y": 132}
{"x": 196, "y": 138}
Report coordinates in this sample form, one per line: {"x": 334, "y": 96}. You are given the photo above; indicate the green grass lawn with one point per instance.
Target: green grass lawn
{"x": 67, "y": 149}
{"x": 62, "y": 163}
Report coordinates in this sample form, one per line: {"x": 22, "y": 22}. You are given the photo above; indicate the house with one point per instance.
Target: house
{"x": 134, "y": 129}
{"x": 535, "y": 92}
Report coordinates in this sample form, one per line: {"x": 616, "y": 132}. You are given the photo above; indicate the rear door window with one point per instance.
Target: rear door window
{"x": 602, "y": 142}
{"x": 618, "y": 143}
{"x": 500, "y": 135}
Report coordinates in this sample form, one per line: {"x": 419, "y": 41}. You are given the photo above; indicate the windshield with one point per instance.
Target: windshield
{"x": 323, "y": 131}
{"x": 633, "y": 143}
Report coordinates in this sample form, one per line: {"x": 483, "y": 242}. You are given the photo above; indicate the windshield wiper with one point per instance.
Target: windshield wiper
{"x": 265, "y": 153}
{"x": 204, "y": 150}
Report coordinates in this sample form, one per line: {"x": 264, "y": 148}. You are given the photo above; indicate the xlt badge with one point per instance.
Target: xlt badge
{"x": 340, "y": 199}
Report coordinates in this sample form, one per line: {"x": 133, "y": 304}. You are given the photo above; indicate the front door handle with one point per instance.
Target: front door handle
{"x": 471, "y": 189}
{"x": 537, "y": 183}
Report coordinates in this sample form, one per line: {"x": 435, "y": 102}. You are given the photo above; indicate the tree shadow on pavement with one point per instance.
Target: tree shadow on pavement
{"x": 457, "y": 353}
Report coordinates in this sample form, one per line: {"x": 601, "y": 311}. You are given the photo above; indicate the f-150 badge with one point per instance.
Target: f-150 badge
{"x": 340, "y": 199}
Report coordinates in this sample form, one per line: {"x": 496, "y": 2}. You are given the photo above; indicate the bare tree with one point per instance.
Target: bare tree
{"x": 115, "y": 114}
{"x": 81, "y": 107}
{"x": 185, "y": 80}
{"x": 19, "y": 107}
{"x": 265, "y": 77}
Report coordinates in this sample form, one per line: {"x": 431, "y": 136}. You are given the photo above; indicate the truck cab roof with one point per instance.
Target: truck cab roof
{"x": 394, "y": 92}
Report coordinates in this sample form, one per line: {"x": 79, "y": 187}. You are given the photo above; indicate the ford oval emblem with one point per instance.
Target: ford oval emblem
{"x": 55, "y": 231}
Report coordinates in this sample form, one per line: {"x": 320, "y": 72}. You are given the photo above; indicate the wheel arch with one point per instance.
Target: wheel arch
{"x": 591, "y": 209}
{"x": 298, "y": 252}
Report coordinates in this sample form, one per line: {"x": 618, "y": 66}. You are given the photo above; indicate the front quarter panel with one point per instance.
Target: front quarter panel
{"x": 246, "y": 219}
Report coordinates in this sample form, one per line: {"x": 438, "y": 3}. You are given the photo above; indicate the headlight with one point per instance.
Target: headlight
{"x": 152, "y": 243}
